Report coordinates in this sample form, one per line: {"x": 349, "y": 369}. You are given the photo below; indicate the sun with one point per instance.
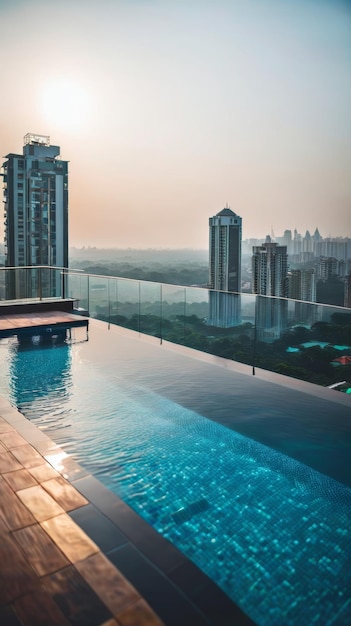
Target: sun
{"x": 65, "y": 104}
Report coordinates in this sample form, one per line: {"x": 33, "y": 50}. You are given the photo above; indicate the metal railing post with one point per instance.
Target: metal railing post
{"x": 63, "y": 285}
{"x": 139, "y": 308}
{"x": 161, "y": 314}
{"x": 109, "y": 303}
{"x": 254, "y": 339}
{"x": 88, "y": 296}
{"x": 40, "y": 285}
{"x": 184, "y": 314}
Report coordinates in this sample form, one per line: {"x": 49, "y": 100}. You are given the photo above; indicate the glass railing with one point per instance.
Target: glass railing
{"x": 304, "y": 340}
{"x": 31, "y": 282}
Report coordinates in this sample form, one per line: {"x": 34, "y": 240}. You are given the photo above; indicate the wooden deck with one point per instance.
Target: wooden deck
{"x": 14, "y": 323}
{"x": 51, "y": 572}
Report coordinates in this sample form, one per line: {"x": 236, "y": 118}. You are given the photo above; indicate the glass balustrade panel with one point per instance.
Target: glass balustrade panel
{"x": 304, "y": 340}
{"x": 150, "y": 308}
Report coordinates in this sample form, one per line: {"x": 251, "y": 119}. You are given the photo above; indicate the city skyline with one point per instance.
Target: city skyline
{"x": 167, "y": 111}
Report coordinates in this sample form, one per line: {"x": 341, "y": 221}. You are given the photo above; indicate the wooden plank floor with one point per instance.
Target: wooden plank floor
{"x": 11, "y": 323}
{"x": 51, "y": 572}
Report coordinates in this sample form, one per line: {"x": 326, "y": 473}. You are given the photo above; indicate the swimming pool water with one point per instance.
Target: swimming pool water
{"x": 273, "y": 532}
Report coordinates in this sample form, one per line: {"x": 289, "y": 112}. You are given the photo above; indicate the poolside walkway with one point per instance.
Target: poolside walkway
{"x": 73, "y": 553}
{"x": 51, "y": 572}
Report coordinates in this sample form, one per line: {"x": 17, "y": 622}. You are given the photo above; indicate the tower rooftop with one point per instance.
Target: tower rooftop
{"x": 227, "y": 212}
{"x": 38, "y": 140}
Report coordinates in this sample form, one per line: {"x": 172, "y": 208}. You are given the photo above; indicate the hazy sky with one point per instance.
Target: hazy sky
{"x": 169, "y": 109}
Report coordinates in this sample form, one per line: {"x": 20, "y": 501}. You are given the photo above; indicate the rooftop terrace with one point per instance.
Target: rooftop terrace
{"x": 57, "y": 522}
{"x": 74, "y": 553}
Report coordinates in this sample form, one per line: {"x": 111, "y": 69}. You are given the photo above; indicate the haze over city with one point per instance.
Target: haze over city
{"x": 167, "y": 110}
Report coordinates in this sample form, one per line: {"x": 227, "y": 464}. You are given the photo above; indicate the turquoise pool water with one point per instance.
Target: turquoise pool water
{"x": 272, "y": 531}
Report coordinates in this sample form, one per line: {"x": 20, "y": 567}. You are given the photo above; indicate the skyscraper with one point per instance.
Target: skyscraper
{"x": 287, "y": 241}
{"x": 225, "y": 235}
{"x": 302, "y": 285}
{"x": 225, "y": 251}
{"x": 302, "y": 288}
{"x": 36, "y": 216}
{"x": 269, "y": 278}
{"x": 269, "y": 269}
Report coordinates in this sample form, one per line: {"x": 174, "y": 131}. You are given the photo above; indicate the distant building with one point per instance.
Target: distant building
{"x": 327, "y": 267}
{"x": 338, "y": 247}
{"x": 269, "y": 278}
{"x": 302, "y": 288}
{"x": 344, "y": 268}
{"x": 225, "y": 236}
{"x": 331, "y": 291}
{"x": 270, "y": 269}
{"x": 302, "y": 285}
{"x": 36, "y": 216}
{"x": 347, "y": 291}
{"x": 307, "y": 242}
{"x": 316, "y": 238}
{"x": 287, "y": 240}
{"x": 297, "y": 243}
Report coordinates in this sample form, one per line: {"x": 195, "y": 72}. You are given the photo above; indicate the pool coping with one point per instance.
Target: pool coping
{"x": 177, "y": 591}
{"x": 282, "y": 380}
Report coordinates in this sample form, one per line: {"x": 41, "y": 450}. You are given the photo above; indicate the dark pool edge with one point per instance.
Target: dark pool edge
{"x": 175, "y": 588}
{"x": 282, "y": 380}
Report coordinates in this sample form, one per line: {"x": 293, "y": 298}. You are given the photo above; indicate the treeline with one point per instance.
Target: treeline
{"x": 181, "y": 274}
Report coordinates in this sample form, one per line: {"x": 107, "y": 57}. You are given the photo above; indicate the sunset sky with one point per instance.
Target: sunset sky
{"x": 169, "y": 109}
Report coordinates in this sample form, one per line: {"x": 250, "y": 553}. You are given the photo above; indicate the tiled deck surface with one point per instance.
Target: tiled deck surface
{"x": 71, "y": 552}
{"x": 51, "y": 572}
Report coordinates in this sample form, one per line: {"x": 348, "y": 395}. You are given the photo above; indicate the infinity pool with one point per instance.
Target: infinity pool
{"x": 247, "y": 477}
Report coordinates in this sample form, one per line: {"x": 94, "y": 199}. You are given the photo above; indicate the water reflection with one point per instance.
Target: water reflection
{"x": 34, "y": 375}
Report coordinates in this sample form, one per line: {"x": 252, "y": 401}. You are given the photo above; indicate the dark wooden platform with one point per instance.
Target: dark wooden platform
{"x": 15, "y": 323}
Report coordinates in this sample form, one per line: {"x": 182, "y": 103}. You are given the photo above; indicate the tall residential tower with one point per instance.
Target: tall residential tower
{"x": 269, "y": 269}
{"x": 225, "y": 235}
{"x": 36, "y": 216}
{"x": 269, "y": 278}
{"x": 225, "y": 251}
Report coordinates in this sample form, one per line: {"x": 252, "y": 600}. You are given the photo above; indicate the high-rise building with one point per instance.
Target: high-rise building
{"x": 269, "y": 278}
{"x": 36, "y": 216}
{"x": 269, "y": 269}
{"x": 287, "y": 241}
{"x": 302, "y": 288}
{"x": 302, "y": 285}
{"x": 316, "y": 238}
{"x": 297, "y": 243}
{"x": 327, "y": 267}
{"x": 225, "y": 236}
{"x": 225, "y": 251}
{"x": 338, "y": 247}
{"x": 347, "y": 291}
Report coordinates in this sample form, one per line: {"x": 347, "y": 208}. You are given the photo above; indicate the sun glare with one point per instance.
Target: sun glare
{"x": 65, "y": 104}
